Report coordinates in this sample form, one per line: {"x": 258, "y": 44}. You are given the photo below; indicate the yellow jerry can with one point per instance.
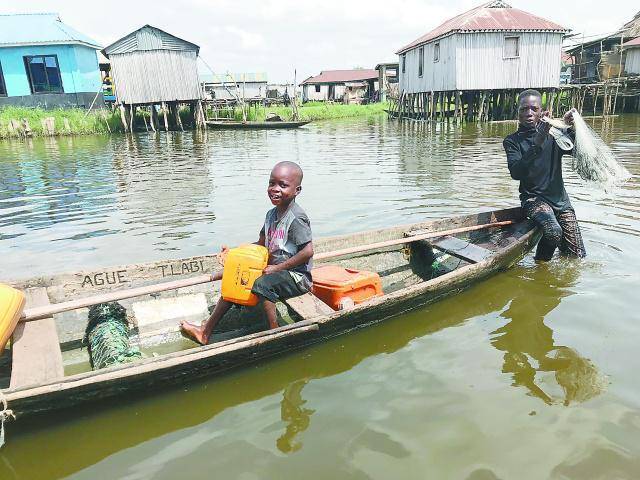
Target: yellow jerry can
{"x": 11, "y": 305}
{"x": 241, "y": 268}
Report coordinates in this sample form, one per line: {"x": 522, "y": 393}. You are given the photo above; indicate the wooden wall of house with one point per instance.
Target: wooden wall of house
{"x": 632, "y": 62}
{"x": 436, "y": 76}
{"x": 310, "y": 94}
{"x": 476, "y": 61}
{"x": 155, "y": 76}
{"x": 482, "y": 64}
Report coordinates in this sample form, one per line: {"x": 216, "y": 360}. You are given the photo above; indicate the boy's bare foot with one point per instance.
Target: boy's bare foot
{"x": 194, "y": 332}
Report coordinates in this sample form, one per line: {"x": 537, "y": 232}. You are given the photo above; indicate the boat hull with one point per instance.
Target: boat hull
{"x": 187, "y": 365}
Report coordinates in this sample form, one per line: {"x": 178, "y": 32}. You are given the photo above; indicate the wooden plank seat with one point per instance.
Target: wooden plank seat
{"x": 35, "y": 348}
{"x": 462, "y": 249}
{"x": 309, "y": 306}
{"x": 457, "y": 247}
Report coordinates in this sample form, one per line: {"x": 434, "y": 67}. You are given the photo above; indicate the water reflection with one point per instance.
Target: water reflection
{"x": 529, "y": 348}
{"x": 297, "y": 417}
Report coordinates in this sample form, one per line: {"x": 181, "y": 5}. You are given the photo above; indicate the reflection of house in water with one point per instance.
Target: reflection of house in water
{"x": 530, "y": 352}
{"x": 146, "y": 169}
{"x": 62, "y": 189}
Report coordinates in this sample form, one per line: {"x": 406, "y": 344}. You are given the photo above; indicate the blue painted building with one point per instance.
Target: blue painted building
{"x": 46, "y": 63}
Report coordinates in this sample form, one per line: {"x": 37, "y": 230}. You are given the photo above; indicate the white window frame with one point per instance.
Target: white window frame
{"x": 436, "y": 52}
{"x": 420, "y": 61}
{"x": 504, "y": 50}
{"x": 404, "y": 63}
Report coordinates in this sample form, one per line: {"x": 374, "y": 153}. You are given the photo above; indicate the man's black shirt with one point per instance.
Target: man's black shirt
{"x": 539, "y": 169}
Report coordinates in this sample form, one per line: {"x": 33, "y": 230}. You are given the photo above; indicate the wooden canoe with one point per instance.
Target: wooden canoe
{"x": 226, "y": 125}
{"x": 46, "y": 370}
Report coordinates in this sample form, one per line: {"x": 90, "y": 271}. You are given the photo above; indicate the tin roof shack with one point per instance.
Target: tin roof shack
{"x": 632, "y": 64}
{"x": 493, "y": 50}
{"x": 331, "y": 85}
{"x": 596, "y": 60}
{"x": 276, "y": 92}
{"x": 153, "y": 69}
{"x": 46, "y": 63}
{"x": 249, "y": 87}
{"x": 387, "y": 80}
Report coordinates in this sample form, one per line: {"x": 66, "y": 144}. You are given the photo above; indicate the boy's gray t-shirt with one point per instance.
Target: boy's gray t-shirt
{"x": 286, "y": 237}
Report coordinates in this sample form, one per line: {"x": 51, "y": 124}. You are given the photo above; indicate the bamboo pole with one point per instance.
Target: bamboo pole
{"x": 38, "y": 313}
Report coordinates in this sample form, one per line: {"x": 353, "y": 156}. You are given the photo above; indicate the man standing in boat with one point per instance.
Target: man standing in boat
{"x": 535, "y": 160}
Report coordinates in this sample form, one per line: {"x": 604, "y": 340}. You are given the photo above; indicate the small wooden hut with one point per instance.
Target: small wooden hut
{"x": 154, "y": 69}
{"x": 474, "y": 64}
{"x": 340, "y": 85}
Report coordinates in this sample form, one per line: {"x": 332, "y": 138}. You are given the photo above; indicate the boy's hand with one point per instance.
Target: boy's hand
{"x": 271, "y": 269}
{"x": 222, "y": 256}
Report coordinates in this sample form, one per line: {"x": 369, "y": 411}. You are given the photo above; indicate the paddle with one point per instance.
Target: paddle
{"x": 38, "y": 313}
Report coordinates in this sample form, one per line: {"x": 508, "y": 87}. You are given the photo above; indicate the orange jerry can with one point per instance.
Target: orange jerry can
{"x": 243, "y": 265}
{"x": 333, "y": 284}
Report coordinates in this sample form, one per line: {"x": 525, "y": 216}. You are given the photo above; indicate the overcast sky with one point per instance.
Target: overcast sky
{"x": 276, "y": 36}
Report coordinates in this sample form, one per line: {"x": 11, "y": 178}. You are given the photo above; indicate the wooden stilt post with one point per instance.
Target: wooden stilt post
{"x": 176, "y": 108}
{"x": 132, "y": 113}
{"x": 144, "y": 117}
{"x": 123, "y": 117}
{"x": 151, "y": 119}
{"x": 166, "y": 120}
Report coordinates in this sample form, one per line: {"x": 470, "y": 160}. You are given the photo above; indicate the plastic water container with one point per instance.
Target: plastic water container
{"x": 11, "y": 305}
{"x": 243, "y": 265}
{"x": 341, "y": 287}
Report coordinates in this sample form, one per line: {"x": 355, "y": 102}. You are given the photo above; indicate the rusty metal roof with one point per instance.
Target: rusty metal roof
{"x": 632, "y": 43}
{"x": 494, "y": 16}
{"x": 341, "y": 76}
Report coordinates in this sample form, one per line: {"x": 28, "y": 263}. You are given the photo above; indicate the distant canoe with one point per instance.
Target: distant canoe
{"x": 226, "y": 125}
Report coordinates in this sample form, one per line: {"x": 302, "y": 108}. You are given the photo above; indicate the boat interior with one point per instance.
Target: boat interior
{"x": 154, "y": 319}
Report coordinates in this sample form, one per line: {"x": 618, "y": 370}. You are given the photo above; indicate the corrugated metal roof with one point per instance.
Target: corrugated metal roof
{"x": 39, "y": 29}
{"x": 491, "y": 17}
{"x": 339, "y": 76}
{"x": 148, "y": 38}
{"x": 233, "y": 77}
{"x": 632, "y": 43}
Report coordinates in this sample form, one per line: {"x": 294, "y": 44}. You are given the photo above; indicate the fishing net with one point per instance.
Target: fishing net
{"x": 107, "y": 336}
{"x": 593, "y": 160}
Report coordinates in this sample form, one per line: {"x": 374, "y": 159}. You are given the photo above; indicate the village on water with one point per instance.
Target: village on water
{"x": 416, "y": 261}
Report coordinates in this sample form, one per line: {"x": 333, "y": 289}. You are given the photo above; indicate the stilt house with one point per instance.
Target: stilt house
{"x": 491, "y": 50}
{"x": 150, "y": 68}
{"x": 632, "y": 63}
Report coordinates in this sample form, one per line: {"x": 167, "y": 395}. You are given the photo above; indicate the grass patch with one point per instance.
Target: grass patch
{"x": 309, "y": 111}
{"x": 77, "y": 121}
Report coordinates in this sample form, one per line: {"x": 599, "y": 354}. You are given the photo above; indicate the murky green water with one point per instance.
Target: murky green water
{"x": 532, "y": 374}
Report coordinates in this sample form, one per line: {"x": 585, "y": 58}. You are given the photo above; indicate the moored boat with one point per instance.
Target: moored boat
{"x": 227, "y": 125}
{"x": 417, "y": 264}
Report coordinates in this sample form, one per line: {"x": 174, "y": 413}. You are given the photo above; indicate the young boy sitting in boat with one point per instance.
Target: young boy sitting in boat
{"x": 286, "y": 233}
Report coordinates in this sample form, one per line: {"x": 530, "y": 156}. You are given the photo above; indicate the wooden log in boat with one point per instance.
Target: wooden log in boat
{"x": 409, "y": 276}
{"x": 227, "y": 125}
